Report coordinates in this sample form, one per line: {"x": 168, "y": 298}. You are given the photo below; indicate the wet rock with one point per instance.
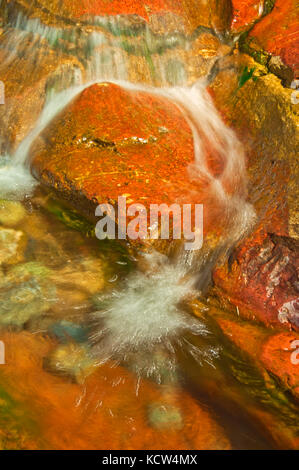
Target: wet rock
{"x": 12, "y": 246}
{"x": 280, "y": 357}
{"x": 24, "y": 272}
{"x": 102, "y": 146}
{"x": 262, "y": 281}
{"x": 275, "y": 33}
{"x": 268, "y": 29}
{"x": 194, "y": 13}
{"x": 66, "y": 331}
{"x": 258, "y": 384}
{"x": 275, "y": 353}
{"x": 26, "y": 70}
{"x": 278, "y": 68}
{"x": 17, "y": 429}
{"x": 12, "y": 213}
{"x": 111, "y": 142}
{"x": 260, "y": 110}
{"x": 245, "y": 13}
{"x": 70, "y": 303}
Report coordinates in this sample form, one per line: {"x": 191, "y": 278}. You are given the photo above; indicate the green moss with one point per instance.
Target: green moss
{"x": 246, "y": 46}
{"x": 246, "y": 75}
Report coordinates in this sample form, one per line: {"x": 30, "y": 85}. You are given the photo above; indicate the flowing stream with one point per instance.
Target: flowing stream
{"x": 142, "y": 323}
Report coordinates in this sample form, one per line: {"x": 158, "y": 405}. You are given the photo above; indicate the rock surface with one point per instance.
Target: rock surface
{"x": 29, "y": 73}
{"x": 194, "y": 13}
{"x": 261, "y": 111}
{"x": 262, "y": 281}
{"x": 111, "y": 141}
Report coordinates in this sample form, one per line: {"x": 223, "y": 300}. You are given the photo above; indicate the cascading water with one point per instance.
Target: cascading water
{"x": 149, "y": 301}
{"x": 145, "y": 316}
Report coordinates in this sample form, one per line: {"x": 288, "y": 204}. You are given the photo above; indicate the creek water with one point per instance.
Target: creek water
{"x": 86, "y": 309}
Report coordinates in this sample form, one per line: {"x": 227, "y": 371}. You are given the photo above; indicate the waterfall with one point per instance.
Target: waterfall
{"x": 145, "y": 315}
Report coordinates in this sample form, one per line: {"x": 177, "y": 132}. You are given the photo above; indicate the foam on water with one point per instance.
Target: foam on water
{"x": 143, "y": 324}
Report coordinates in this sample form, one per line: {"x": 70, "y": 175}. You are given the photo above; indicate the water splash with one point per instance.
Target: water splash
{"x": 143, "y": 323}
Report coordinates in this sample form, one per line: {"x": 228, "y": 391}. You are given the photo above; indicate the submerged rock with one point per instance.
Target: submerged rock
{"x": 162, "y": 416}
{"x": 86, "y": 276}
{"x": 12, "y": 213}
{"x": 103, "y": 412}
{"x": 280, "y": 356}
{"x": 12, "y": 246}
{"x": 274, "y": 352}
{"x": 25, "y": 294}
{"x": 260, "y": 386}
{"x": 71, "y": 360}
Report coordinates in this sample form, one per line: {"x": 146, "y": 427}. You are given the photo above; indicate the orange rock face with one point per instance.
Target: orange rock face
{"x": 244, "y": 13}
{"x": 104, "y": 412}
{"x": 111, "y": 142}
{"x": 194, "y": 12}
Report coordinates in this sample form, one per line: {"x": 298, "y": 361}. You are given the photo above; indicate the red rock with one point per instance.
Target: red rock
{"x": 252, "y": 392}
{"x": 262, "y": 281}
{"x": 111, "y": 142}
{"x": 276, "y": 32}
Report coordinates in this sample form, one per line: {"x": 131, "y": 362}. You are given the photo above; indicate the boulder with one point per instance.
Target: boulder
{"x": 261, "y": 281}
{"x": 263, "y": 364}
{"x": 112, "y": 141}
